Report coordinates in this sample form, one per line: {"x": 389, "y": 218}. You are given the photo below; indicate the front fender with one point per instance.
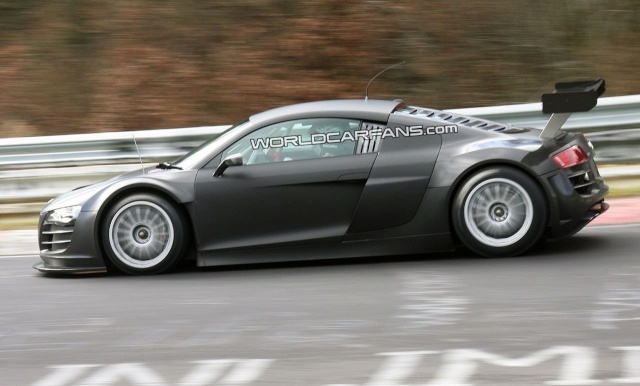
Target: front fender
{"x": 176, "y": 184}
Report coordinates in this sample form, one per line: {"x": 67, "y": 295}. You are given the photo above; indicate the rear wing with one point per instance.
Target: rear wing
{"x": 567, "y": 98}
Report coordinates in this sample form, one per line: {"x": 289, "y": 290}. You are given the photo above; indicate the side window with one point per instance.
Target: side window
{"x": 300, "y": 139}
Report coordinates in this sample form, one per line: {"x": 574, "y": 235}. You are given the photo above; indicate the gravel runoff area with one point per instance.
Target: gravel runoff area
{"x": 24, "y": 242}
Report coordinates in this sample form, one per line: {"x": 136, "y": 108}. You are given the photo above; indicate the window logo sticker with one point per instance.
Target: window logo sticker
{"x": 361, "y": 136}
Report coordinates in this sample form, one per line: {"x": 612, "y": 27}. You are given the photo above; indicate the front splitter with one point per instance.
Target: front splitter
{"x": 67, "y": 271}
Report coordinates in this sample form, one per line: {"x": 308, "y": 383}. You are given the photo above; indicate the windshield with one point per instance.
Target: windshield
{"x": 203, "y": 152}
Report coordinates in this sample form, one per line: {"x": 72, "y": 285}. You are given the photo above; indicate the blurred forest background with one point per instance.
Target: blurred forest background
{"x": 78, "y": 66}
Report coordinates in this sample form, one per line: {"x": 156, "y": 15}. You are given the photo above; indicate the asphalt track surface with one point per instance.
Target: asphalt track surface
{"x": 568, "y": 313}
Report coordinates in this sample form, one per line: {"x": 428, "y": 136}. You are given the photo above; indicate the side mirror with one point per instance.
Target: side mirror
{"x": 230, "y": 160}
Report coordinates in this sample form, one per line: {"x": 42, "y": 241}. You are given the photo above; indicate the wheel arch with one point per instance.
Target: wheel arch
{"x": 475, "y": 168}
{"x": 128, "y": 190}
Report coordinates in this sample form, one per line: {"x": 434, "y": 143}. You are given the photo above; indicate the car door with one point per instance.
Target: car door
{"x": 300, "y": 182}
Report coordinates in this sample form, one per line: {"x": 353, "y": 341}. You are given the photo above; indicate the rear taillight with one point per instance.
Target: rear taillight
{"x": 570, "y": 157}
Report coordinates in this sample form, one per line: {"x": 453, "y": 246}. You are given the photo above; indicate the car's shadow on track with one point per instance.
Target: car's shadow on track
{"x": 574, "y": 248}
{"x": 577, "y": 247}
{"x": 330, "y": 262}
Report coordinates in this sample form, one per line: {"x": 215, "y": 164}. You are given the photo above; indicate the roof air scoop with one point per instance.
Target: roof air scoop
{"x": 568, "y": 98}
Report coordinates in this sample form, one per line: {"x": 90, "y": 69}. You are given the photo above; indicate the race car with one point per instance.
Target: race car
{"x": 338, "y": 179}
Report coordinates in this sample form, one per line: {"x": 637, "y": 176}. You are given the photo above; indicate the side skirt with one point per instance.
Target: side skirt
{"x": 387, "y": 247}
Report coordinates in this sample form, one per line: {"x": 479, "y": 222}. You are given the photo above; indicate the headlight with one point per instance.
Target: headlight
{"x": 63, "y": 216}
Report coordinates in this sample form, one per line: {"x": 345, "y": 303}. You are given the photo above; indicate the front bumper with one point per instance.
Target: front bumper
{"x": 71, "y": 249}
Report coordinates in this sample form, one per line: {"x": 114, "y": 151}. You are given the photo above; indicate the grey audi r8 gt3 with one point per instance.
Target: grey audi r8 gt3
{"x": 335, "y": 179}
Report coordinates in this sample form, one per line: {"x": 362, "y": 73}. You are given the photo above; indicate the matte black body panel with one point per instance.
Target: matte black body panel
{"x": 431, "y": 217}
{"x": 177, "y": 184}
{"x": 279, "y": 203}
{"x": 398, "y": 180}
{"x": 393, "y": 201}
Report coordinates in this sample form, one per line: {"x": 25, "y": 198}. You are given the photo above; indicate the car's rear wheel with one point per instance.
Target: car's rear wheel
{"x": 144, "y": 234}
{"x": 499, "y": 211}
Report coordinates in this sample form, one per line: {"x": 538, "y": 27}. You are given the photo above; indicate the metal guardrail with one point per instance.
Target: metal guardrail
{"x": 101, "y": 148}
{"x": 616, "y": 120}
{"x": 42, "y": 167}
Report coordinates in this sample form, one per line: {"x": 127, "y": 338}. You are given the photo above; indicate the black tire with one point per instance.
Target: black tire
{"x": 144, "y": 234}
{"x": 499, "y": 211}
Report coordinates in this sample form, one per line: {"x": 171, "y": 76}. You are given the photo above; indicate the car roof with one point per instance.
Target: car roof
{"x": 372, "y": 109}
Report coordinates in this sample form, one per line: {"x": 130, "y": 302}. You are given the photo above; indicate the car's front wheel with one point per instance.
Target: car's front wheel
{"x": 144, "y": 234}
{"x": 499, "y": 211}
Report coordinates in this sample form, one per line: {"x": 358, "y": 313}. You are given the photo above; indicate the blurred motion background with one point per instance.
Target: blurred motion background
{"x": 80, "y": 66}
{"x": 88, "y": 66}
{"x": 78, "y": 76}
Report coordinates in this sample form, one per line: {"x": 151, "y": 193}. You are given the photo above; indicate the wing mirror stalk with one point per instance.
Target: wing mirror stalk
{"x": 230, "y": 160}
